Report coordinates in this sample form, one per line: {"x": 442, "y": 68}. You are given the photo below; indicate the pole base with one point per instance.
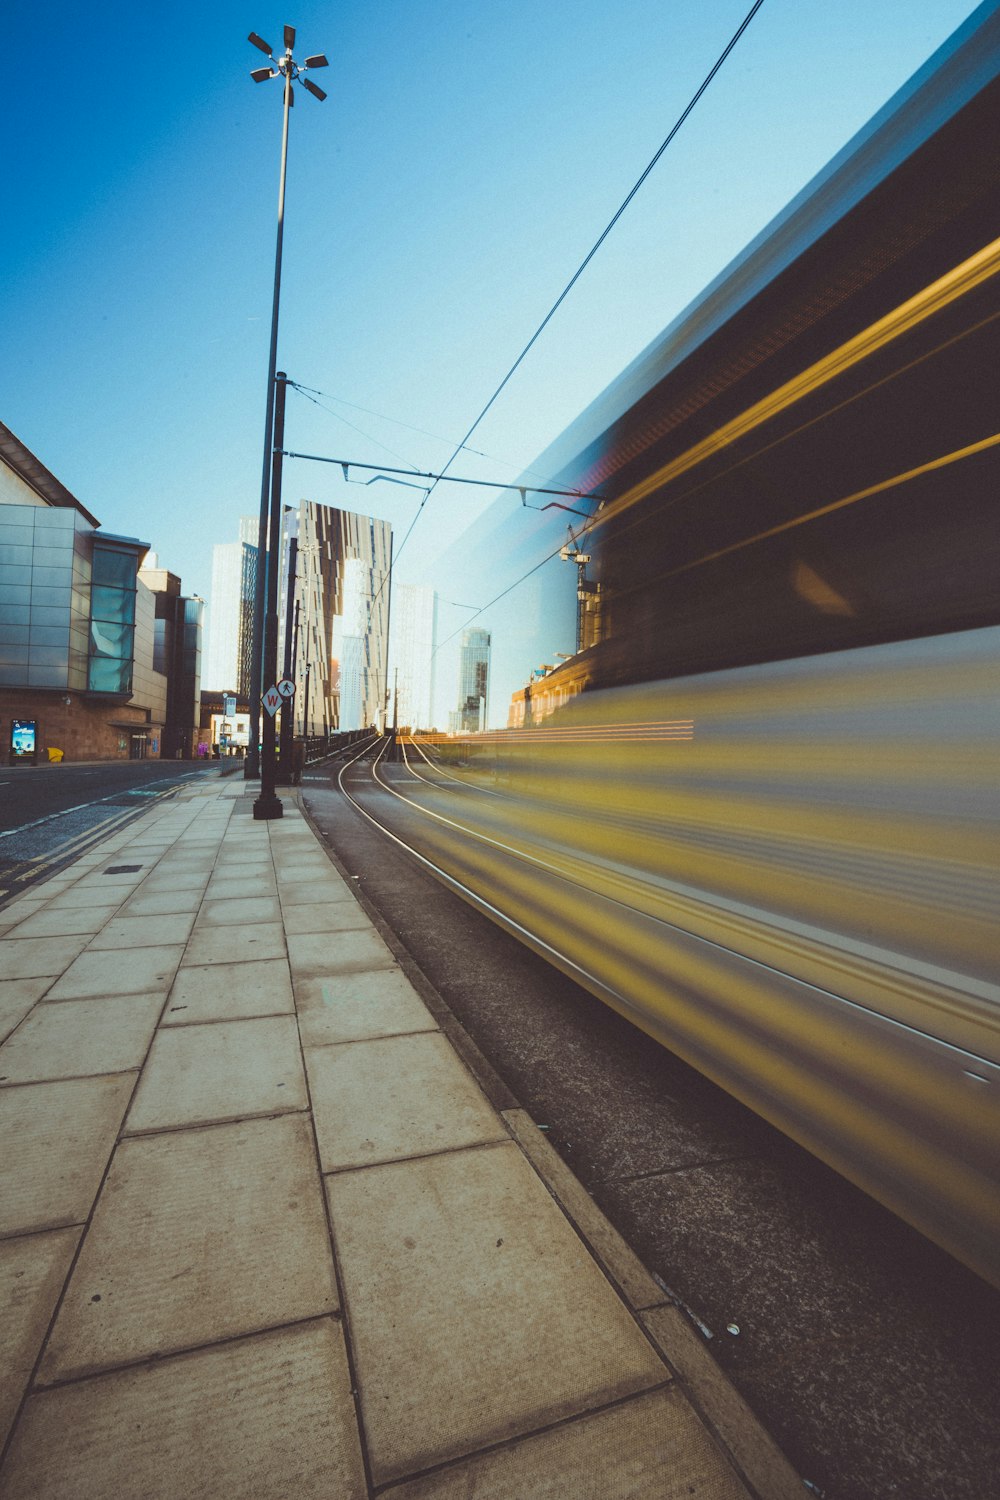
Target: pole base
{"x": 268, "y": 807}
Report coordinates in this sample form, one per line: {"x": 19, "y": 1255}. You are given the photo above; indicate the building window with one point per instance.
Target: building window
{"x": 112, "y": 620}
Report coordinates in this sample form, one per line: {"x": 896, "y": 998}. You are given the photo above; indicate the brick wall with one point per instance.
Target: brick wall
{"x": 80, "y": 729}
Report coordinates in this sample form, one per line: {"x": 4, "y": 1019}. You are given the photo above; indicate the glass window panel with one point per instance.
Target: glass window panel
{"x": 16, "y": 536}
{"x": 58, "y": 542}
{"x": 111, "y": 604}
{"x": 56, "y": 521}
{"x": 48, "y": 635}
{"x": 108, "y": 639}
{"x": 15, "y": 574}
{"x": 11, "y": 676}
{"x": 77, "y": 676}
{"x": 44, "y": 614}
{"x": 160, "y": 659}
{"x": 14, "y": 614}
{"x": 46, "y": 594}
{"x": 52, "y": 578}
{"x": 49, "y": 677}
{"x": 53, "y": 557}
{"x": 49, "y": 656}
{"x": 116, "y": 568}
{"x": 109, "y": 676}
{"x": 12, "y": 652}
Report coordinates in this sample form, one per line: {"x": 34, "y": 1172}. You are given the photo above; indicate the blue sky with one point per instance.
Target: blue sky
{"x": 466, "y": 159}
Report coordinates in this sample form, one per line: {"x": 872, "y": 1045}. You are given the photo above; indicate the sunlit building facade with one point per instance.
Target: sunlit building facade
{"x": 339, "y": 616}
{"x": 82, "y": 672}
{"x": 230, "y": 615}
{"x": 412, "y": 641}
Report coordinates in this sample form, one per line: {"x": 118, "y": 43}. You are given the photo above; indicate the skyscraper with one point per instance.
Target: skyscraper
{"x": 230, "y": 614}
{"x": 412, "y": 639}
{"x": 340, "y": 626}
{"x": 473, "y": 682}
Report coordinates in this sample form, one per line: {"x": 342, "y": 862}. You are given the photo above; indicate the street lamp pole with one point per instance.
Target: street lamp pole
{"x": 288, "y": 69}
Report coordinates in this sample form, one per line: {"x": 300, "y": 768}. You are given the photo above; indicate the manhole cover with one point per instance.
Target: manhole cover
{"x": 121, "y": 869}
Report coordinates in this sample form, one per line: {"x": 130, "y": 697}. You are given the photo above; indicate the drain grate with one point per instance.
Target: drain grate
{"x": 121, "y": 869}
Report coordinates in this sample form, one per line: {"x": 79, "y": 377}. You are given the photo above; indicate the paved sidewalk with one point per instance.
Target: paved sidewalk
{"x": 262, "y": 1234}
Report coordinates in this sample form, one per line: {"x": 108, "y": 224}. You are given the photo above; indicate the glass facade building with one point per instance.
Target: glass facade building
{"x": 472, "y": 713}
{"x": 412, "y": 639}
{"x": 230, "y": 615}
{"x": 77, "y": 624}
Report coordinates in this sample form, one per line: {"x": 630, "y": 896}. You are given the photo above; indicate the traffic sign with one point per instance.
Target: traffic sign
{"x": 272, "y": 700}
{"x": 286, "y": 687}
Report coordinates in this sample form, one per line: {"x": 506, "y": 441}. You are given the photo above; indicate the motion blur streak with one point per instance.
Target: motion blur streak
{"x": 892, "y": 483}
{"x": 802, "y": 903}
{"x": 963, "y": 279}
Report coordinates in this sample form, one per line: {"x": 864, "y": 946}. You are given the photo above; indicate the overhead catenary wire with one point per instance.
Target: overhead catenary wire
{"x": 685, "y": 112}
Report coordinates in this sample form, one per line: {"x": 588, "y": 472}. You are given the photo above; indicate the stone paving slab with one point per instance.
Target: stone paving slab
{"x": 56, "y": 921}
{"x": 226, "y": 945}
{"x": 351, "y": 1007}
{"x": 143, "y": 931}
{"x": 653, "y": 1447}
{"x": 261, "y": 987}
{"x": 476, "y": 1313}
{"x": 296, "y": 891}
{"x": 325, "y": 916}
{"x": 269, "y": 1417}
{"x": 313, "y": 954}
{"x": 396, "y": 1096}
{"x": 232, "y": 888}
{"x": 222, "y": 1070}
{"x": 154, "y": 902}
{"x": 114, "y": 972}
{"x": 57, "y": 1140}
{"x": 17, "y": 996}
{"x": 32, "y": 1271}
{"x": 198, "y": 1235}
{"x": 239, "y": 910}
{"x": 34, "y": 958}
{"x": 77, "y": 1038}
{"x": 165, "y": 879}
{"x": 80, "y": 895}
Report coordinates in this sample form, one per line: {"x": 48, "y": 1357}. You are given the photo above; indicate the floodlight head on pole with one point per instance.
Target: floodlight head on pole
{"x": 286, "y": 67}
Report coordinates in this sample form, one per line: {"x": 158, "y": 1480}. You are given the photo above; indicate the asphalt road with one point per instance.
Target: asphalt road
{"x": 49, "y": 814}
{"x": 869, "y": 1354}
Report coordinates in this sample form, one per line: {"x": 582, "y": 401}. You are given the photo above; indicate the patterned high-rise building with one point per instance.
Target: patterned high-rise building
{"x": 339, "y": 616}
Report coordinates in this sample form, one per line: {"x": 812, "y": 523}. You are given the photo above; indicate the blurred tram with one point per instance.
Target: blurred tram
{"x": 748, "y": 788}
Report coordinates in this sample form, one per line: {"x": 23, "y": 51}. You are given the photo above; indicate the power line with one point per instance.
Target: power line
{"x": 311, "y": 394}
{"x": 590, "y": 254}
{"x": 383, "y": 470}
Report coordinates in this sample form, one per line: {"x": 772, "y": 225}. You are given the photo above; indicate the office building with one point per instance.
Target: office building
{"x": 79, "y": 672}
{"x": 230, "y": 613}
{"x": 338, "y": 619}
{"x": 412, "y": 641}
{"x": 472, "y": 713}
